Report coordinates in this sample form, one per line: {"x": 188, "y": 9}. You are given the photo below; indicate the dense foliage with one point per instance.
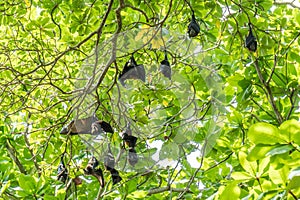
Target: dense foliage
{"x": 226, "y": 126}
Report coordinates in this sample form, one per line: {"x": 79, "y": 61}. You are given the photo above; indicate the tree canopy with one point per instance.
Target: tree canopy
{"x": 188, "y": 107}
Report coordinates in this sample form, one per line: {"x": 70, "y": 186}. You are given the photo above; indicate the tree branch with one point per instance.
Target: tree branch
{"x": 13, "y": 154}
{"x": 269, "y": 92}
{"x": 165, "y": 189}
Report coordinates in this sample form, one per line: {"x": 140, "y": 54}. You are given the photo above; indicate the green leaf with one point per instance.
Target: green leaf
{"x": 294, "y": 177}
{"x": 278, "y": 176}
{"x": 259, "y": 151}
{"x": 291, "y": 130}
{"x": 280, "y": 150}
{"x": 264, "y": 133}
{"x": 231, "y": 192}
{"x": 241, "y": 176}
{"x": 263, "y": 166}
{"x": 249, "y": 166}
{"x": 27, "y": 183}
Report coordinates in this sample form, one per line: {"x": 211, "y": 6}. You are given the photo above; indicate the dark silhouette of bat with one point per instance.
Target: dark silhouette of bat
{"x": 109, "y": 163}
{"x": 193, "y": 28}
{"x": 90, "y": 125}
{"x": 130, "y": 141}
{"x": 62, "y": 172}
{"x": 132, "y": 71}
{"x": 251, "y": 42}
{"x": 165, "y": 67}
{"x": 116, "y": 178}
{"x": 94, "y": 169}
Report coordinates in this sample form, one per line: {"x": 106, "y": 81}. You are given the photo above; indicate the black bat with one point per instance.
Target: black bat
{"x": 62, "y": 172}
{"x": 193, "y": 28}
{"x": 90, "y": 125}
{"x": 129, "y": 140}
{"x": 94, "y": 169}
{"x": 251, "y": 42}
{"x": 165, "y": 67}
{"x": 116, "y": 178}
{"x": 109, "y": 160}
{"x": 132, "y": 71}
{"x": 132, "y": 157}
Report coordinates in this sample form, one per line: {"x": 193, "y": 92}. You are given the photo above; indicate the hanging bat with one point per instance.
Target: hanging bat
{"x": 132, "y": 157}
{"x": 165, "y": 67}
{"x": 94, "y": 169}
{"x": 62, "y": 172}
{"x": 116, "y": 178}
{"x": 129, "y": 140}
{"x": 193, "y": 28}
{"x": 109, "y": 160}
{"x": 132, "y": 71}
{"x": 251, "y": 42}
{"x": 90, "y": 125}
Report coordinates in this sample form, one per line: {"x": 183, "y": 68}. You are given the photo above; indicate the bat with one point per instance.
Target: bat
{"x": 193, "y": 28}
{"x": 109, "y": 163}
{"x": 132, "y": 157}
{"x": 129, "y": 140}
{"x": 132, "y": 71}
{"x": 251, "y": 42}
{"x": 165, "y": 68}
{"x": 116, "y": 178}
{"x": 62, "y": 172}
{"x": 94, "y": 169}
{"x": 109, "y": 160}
{"x": 90, "y": 125}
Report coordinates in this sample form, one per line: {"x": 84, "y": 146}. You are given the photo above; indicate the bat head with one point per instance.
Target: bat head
{"x": 91, "y": 166}
{"x": 129, "y": 140}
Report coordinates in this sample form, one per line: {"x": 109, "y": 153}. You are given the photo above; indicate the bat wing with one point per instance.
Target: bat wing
{"x": 116, "y": 178}
{"x": 133, "y": 72}
{"x": 106, "y": 127}
{"x": 99, "y": 175}
{"x": 79, "y": 126}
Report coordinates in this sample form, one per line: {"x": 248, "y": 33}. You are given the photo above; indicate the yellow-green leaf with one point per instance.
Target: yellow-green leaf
{"x": 264, "y": 133}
